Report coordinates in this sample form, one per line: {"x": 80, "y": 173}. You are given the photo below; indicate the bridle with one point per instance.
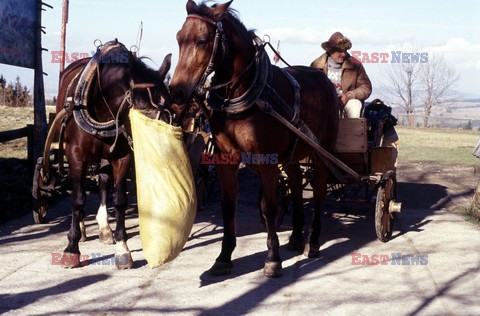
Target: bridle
{"x": 113, "y": 127}
{"x": 159, "y": 106}
{"x": 220, "y": 38}
{"x": 221, "y": 41}
{"x": 127, "y": 99}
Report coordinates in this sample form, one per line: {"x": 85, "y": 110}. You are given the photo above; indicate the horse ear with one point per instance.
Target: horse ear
{"x": 165, "y": 67}
{"x": 220, "y": 10}
{"x": 191, "y": 6}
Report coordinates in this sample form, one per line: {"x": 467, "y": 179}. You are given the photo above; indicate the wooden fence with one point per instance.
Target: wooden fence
{"x": 26, "y": 131}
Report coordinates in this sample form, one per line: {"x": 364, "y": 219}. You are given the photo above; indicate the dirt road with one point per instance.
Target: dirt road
{"x": 430, "y": 267}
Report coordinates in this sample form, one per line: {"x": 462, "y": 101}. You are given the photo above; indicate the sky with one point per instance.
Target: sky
{"x": 451, "y": 28}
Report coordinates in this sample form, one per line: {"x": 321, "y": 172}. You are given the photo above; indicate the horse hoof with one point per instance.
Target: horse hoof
{"x": 295, "y": 244}
{"x": 124, "y": 261}
{"x": 312, "y": 251}
{"x": 70, "y": 260}
{"x": 221, "y": 268}
{"x": 106, "y": 236}
{"x": 272, "y": 269}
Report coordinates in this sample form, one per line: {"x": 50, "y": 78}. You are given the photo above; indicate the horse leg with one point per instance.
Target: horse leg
{"x": 83, "y": 231}
{"x": 227, "y": 176}
{"x": 71, "y": 254}
{"x": 296, "y": 241}
{"x": 312, "y": 247}
{"x": 123, "y": 257}
{"x": 105, "y": 233}
{"x": 269, "y": 178}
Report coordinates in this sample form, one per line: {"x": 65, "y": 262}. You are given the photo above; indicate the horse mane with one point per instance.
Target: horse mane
{"x": 141, "y": 69}
{"x": 232, "y": 16}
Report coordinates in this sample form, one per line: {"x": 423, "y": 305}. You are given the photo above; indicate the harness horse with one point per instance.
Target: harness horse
{"x": 256, "y": 108}
{"x": 94, "y": 99}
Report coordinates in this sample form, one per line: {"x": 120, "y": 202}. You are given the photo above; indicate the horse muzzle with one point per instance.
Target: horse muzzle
{"x": 178, "y": 96}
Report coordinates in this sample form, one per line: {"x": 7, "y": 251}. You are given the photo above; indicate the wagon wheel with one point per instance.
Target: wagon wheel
{"x": 384, "y": 215}
{"x": 40, "y": 202}
{"x": 205, "y": 184}
{"x": 205, "y": 180}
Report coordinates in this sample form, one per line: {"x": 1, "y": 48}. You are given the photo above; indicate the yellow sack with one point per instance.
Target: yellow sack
{"x": 165, "y": 188}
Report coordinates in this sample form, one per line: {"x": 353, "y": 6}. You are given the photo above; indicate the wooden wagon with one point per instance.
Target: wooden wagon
{"x": 358, "y": 147}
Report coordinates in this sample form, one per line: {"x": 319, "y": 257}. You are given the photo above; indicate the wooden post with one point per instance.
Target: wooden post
{"x": 63, "y": 35}
{"x": 39, "y": 118}
{"x": 30, "y": 146}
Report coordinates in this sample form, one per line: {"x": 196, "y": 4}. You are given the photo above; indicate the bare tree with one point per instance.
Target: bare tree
{"x": 436, "y": 80}
{"x": 401, "y": 81}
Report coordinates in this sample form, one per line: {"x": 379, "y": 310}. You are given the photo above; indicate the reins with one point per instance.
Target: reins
{"x": 285, "y": 62}
{"x": 296, "y": 125}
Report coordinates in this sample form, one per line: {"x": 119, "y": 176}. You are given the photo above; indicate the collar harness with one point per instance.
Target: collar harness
{"x": 113, "y": 127}
{"x": 260, "y": 90}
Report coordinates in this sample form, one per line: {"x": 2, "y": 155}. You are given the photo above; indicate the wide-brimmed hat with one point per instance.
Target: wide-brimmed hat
{"x": 337, "y": 42}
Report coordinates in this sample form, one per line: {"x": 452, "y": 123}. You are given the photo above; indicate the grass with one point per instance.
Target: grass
{"x": 449, "y": 146}
{"x": 14, "y": 118}
{"x": 471, "y": 212}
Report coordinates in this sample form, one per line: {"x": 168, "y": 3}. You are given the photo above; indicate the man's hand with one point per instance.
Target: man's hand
{"x": 345, "y": 97}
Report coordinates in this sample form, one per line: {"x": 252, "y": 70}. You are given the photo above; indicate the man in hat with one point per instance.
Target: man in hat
{"x": 346, "y": 73}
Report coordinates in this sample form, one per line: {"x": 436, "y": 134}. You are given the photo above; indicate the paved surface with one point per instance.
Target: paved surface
{"x": 331, "y": 285}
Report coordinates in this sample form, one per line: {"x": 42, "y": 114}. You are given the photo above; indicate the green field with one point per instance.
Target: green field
{"x": 450, "y": 146}
{"x": 14, "y": 118}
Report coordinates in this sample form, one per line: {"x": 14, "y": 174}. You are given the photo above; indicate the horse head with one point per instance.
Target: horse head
{"x": 202, "y": 50}
{"x": 148, "y": 90}
{"x": 110, "y": 83}
{"x": 125, "y": 79}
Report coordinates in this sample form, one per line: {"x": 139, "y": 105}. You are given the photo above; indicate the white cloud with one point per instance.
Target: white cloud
{"x": 359, "y": 37}
{"x": 460, "y": 52}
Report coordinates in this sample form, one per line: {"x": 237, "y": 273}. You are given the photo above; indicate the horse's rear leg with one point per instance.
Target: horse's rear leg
{"x": 105, "y": 233}
{"x": 296, "y": 241}
{"x": 227, "y": 176}
{"x": 123, "y": 257}
{"x": 273, "y": 263}
{"x": 312, "y": 247}
{"x": 71, "y": 254}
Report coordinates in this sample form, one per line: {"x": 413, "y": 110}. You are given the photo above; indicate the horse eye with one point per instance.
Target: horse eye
{"x": 202, "y": 42}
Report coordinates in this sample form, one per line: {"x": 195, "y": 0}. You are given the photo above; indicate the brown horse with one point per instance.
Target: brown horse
{"x": 212, "y": 39}
{"x": 96, "y": 95}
